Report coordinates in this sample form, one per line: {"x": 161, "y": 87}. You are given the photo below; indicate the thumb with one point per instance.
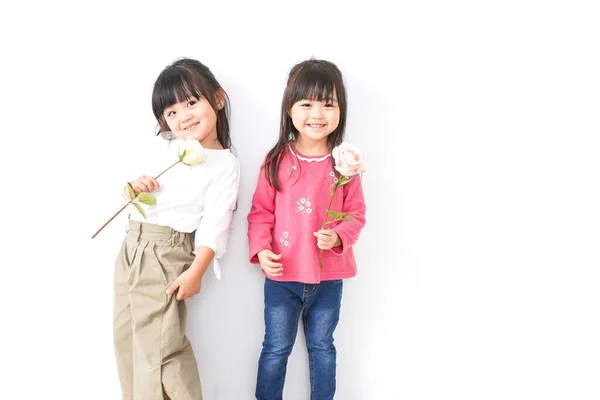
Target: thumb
{"x": 276, "y": 256}
{"x": 173, "y": 286}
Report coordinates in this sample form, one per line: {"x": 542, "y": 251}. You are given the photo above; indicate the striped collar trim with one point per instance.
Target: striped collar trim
{"x": 302, "y": 158}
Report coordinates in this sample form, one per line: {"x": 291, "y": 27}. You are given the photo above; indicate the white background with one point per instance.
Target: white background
{"x": 478, "y": 266}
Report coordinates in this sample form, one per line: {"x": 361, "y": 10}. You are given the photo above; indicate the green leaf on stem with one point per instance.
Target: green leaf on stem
{"x": 343, "y": 181}
{"x": 131, "y": 192}
{"x": 182, "y": 156}
{"x": 147, "y": 198}
{"x": 336, "y": 215}
{"x": 140, "y": 209}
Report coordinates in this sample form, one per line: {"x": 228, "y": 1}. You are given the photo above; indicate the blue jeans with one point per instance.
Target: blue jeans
{"x": 321, "y": 312}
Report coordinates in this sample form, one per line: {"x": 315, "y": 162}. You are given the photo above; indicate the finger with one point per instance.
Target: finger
{"x": 154, "y": 182}
{"x": 275, "y": 256}
{"x": 173, "y": 287}
{"x": 268, "y": 255}
{"x": 272, "y": 271}
{"x": 321, "y": 235}
{"x": 148, "y": 183}
{"x": 181, "y": 294}
{"x": 272, "y": 264}
{"x": 139, "y": 187}
{"x": 324, "y": 244}
{"x": 326, "y": 232}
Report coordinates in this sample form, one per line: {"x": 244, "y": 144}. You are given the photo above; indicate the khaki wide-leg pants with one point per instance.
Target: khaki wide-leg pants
{"x": 149, "y": 325}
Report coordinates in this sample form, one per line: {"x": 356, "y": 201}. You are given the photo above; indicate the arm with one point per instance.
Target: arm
{"x": 211, "y": 235}
{"x": 354, "y": 204}
{"x": 221, "y": 197}
{"x": 190, "y": 281}
{"x": 261, "y": 218}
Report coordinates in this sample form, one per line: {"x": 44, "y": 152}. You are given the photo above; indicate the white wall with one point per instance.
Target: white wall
{"x": 478, "y": 266}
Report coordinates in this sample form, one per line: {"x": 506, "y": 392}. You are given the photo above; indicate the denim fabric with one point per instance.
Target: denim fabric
{"x": 320, "y": 307}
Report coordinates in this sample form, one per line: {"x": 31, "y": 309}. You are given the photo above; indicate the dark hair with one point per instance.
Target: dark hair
{"x": 186, "y": 78}
{"x": 315, "y": 80}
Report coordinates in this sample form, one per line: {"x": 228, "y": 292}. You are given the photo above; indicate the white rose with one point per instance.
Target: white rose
{"x": 191, "y": 152}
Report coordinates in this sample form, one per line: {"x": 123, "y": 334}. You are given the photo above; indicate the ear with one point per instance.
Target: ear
{"x": 220, "y": 98}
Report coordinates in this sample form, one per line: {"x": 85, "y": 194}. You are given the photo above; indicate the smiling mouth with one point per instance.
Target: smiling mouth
{"x": 191, "y": 127}
{"x": 316, "y": 125}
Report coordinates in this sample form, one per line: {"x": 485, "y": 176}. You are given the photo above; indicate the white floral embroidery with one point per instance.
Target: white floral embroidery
{"x": 285, "y": 239}
{"x": 303, "y": 206}
{"x": 332, "y": 177}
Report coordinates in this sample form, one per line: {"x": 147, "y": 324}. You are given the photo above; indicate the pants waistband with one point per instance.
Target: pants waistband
{"x": 144, "y": 230}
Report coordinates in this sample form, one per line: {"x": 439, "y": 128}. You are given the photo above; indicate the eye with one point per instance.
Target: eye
{"x": 191, "y": 103}
{"x": 170, "y": 113}
{"x": 305, "y": 105}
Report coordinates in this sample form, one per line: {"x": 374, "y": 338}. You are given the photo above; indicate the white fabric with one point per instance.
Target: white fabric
{"x": 199, "y": 198}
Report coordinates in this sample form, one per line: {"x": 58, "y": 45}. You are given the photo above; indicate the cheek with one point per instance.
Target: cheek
{"x": 296, "y": 120}
{"x": 335, "y": 120}
{"x": 165, "y": 126}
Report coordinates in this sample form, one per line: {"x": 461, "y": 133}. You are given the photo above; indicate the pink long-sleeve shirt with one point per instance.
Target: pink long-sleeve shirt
{"x": 284, "y": 222}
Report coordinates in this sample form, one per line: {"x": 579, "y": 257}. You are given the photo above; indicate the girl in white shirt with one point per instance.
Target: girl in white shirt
{"x": 165, "y": 255}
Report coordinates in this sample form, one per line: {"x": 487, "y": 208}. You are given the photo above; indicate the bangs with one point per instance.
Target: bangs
{"x": 315, "y": 84}
{"x": 176, "y": 84}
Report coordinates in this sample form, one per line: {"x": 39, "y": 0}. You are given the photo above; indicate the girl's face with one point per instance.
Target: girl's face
{"x": 315, "y": 120}
{"x": 193, "y": 118}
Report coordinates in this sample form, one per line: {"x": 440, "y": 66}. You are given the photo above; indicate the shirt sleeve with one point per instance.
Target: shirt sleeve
{"x": 261, "y": 218}
{"x": 221, "y": 197}
{"x": 354, "y": 205}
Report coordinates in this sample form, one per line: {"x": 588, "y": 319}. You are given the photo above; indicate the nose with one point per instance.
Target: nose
{"x": 316, "y": 111}
{"x": 184, "y": 117}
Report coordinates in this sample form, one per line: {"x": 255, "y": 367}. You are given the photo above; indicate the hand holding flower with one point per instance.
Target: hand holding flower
{"x": 143, "y": 184}
{"x": 190, "y": 153}
{"x": 327, "y": 239}
{"x": 349, "y": 163}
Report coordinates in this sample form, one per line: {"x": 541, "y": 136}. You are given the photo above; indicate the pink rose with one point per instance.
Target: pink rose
{"x": 348, "y": 160}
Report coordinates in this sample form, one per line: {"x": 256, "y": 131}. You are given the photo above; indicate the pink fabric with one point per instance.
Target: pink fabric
{"x": 284, "y": 221}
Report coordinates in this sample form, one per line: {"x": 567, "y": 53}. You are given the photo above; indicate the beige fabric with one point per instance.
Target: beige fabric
{"x": 149, "y": 325}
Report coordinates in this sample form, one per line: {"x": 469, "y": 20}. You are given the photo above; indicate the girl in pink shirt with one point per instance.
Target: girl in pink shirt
{"x": 285, "y": 235}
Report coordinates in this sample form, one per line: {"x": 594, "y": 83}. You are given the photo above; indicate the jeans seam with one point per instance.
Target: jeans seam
{"x": 311, "y": 363}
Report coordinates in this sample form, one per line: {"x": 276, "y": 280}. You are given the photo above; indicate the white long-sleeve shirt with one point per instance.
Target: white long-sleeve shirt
{"x": 199, "y": 198}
